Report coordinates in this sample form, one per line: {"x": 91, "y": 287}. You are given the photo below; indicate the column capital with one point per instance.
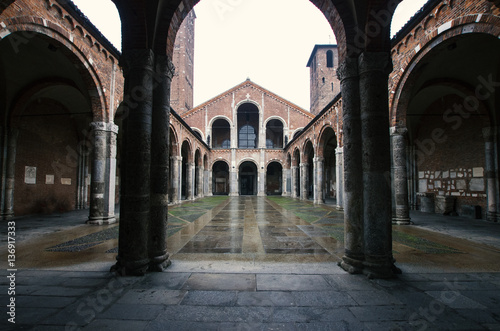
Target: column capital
{"x": 104, "y": 126}
{"x": 348, "y": 69}
{"x": 339, "y": 150}
{"x": 164, "y": 66}
{"x": 375, "y": 61}
{"x": 137, "y": 59}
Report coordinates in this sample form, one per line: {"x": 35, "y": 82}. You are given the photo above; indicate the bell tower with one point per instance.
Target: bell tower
{"x": 325, "y": 85}
{"x": 181, "y": 90}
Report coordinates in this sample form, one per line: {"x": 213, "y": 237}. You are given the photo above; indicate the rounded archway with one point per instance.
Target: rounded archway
{"x": 449, "y": 115}
{"x": 274, "y": 179}
{"x": 248, "y": 178}
{"x": 220, "y": 178}
{"x": 187, "y": 172}
{"x": 328, "y": 146}
{"x": 46, "y": 111}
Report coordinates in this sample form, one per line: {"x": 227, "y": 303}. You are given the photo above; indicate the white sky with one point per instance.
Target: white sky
{"x": 236, "y": 39}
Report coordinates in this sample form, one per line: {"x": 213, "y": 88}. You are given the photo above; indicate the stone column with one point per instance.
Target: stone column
{"x": 401, "y": 207}
{"x": 489, "y": 135}
{"x": 339, "y": 174}
{"x": 294, "y": 182}
{"x": 174, "y": 187}
{"x": 160, "y": 142}
{"x": 200, "y": 181}
{"x": 207, "y": 187}
{"x": 8, "y": 174}
{"x": 352, "y": 261}
{"x": 103, "y": 184}
{"x": 189, "y": 181}
{"x": 320, "y": 180}
{"x": 304, "y": 174}
{"x": 135, "y": 198}
{"x": 374, "y": 69}
{"x": 286, "y": 183}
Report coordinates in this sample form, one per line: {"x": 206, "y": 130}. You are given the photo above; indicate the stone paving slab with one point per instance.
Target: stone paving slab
{"x": 219, "y": 301}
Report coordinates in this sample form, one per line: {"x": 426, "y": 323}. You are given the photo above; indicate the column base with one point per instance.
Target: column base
{"x": 380, "y": 268}
{"x": 160, "y": 263}
{"x": 493, "y": 217}
{"x": 130, "y": 268}
{"x": 261, "y": 194}
{"x": 401, "y": 221}
{"x": 101, "y": 220}
{"x": 234, "y": 194}
{"x": 7, "y": 216}
{"x": 351, "y": 265}
{"x": 340, "y": 208}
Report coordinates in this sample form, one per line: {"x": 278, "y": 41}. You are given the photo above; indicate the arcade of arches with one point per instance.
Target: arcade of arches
{"x": 415, "y": 126}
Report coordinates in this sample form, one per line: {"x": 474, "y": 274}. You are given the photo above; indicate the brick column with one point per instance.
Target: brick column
{"x": 401, "y": 207}
{"x": 136, "y": 161}
{"x": 352, "y": 261}
{"x": 490, "y": 137}
{"x": 160, "y": 142}
{"x": 8, "y": 173}
{"x": 374, "y": 69}
{"x": 103, "y": 184}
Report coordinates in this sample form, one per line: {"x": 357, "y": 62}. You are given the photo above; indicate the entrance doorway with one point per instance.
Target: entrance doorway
{"x": 248, "y": 178}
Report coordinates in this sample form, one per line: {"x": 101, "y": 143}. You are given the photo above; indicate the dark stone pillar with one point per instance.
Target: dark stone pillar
{"x": 133, "y": 256}
{"x": 489, "y": 135}
{"x": 160, "y": 142}
{"x": 9, "y": 173}
{"x": 401, "y": 208}
{"x": 102, "y": 197}
{"x": 339, "y": 175}
{"x": 352, "y": 261}
{"x": 374, "y": 69}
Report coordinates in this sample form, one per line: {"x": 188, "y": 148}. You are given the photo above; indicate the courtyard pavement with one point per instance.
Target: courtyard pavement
{"x": 250, "y": 263}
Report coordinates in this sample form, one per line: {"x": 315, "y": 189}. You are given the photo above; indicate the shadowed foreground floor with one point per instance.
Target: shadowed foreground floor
{"x": 254, "y": 263}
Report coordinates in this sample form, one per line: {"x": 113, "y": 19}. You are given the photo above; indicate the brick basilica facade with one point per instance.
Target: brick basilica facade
{"x": 416, "y": 122}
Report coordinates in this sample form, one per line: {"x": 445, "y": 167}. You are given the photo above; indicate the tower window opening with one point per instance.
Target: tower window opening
{"x": 329, "y": 59}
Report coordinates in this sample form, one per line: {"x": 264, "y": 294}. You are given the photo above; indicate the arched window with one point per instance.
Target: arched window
{"x": 221, "y": 134}
{"x": 247, "y": 137}
{"x": 329, "y": 59}
{"x": 274, "y": 134}
{"x": 248, "y": 126}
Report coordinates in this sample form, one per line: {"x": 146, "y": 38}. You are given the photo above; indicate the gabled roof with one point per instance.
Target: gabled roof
{"x": 247, "y": 83}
